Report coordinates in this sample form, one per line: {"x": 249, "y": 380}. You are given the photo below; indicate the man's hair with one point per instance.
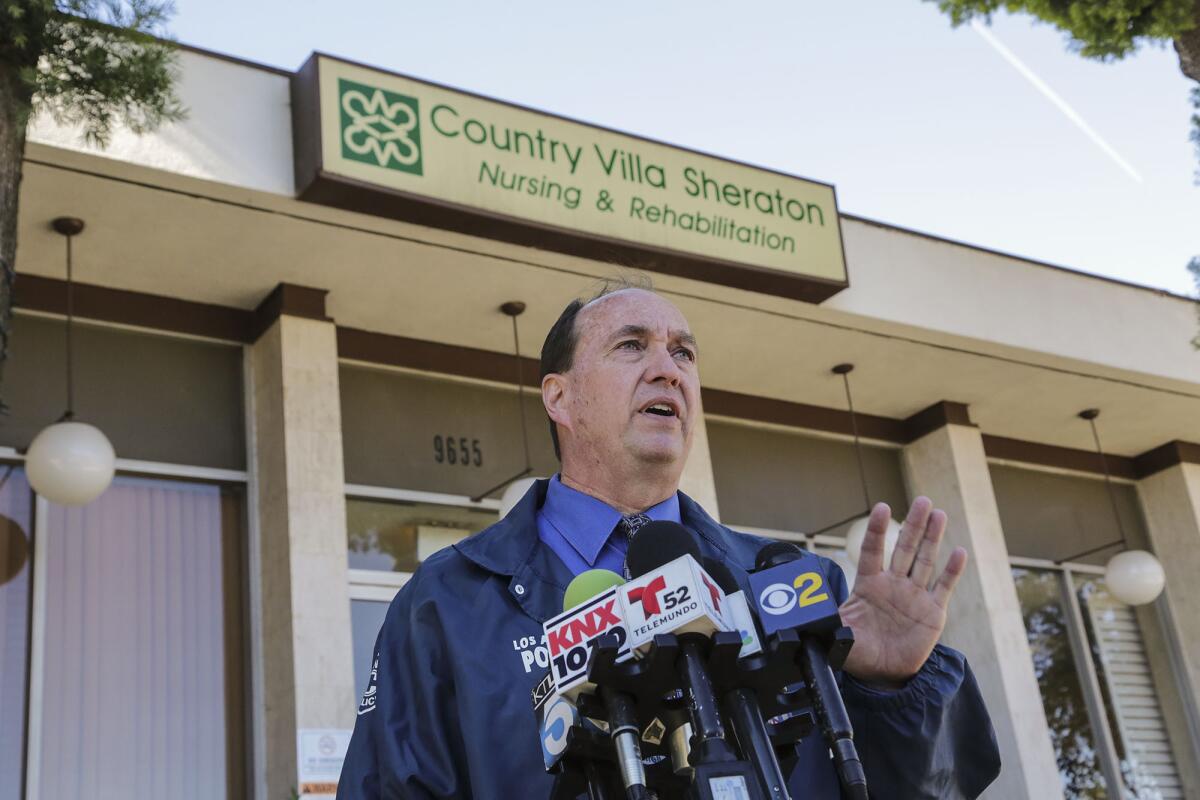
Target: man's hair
{"x": 558, "y": 351}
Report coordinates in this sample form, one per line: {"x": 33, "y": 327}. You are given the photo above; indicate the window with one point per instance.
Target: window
{"x": 389, "y": 533}
{"x": 138, "y": 654}
{"x": 1101, "y": 705}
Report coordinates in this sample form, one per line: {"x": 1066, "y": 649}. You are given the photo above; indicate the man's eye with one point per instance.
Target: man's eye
{"x": 631, "y": 344}
{"x": 686, "y": 353}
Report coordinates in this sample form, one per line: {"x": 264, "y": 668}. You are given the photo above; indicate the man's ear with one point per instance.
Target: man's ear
{"x": 555, "y": 394}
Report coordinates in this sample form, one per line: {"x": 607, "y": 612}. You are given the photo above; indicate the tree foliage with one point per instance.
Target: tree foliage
{"x": 93, "y": 62}
{"x": 1102, "y": 29}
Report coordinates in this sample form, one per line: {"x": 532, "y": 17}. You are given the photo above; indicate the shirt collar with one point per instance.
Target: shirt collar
{"x": 586, "y": 523}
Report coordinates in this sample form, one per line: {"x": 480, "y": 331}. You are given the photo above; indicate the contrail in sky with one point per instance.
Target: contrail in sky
{"x": 1053, "y": 97}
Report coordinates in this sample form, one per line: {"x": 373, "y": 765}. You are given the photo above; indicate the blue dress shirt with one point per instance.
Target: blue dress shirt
{"x": 579, "y": 528}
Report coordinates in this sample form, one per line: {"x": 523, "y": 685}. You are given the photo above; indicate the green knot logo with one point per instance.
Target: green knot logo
{"x": 379, "y": 127}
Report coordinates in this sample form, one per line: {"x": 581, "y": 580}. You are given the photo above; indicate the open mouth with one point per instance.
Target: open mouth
{"x": 660, "y": 410}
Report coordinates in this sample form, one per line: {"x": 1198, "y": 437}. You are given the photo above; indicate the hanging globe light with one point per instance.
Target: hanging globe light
{"x": 69, "y": 462}
{"x": 858, "y": 532}
{"x": 1134, "y": 577}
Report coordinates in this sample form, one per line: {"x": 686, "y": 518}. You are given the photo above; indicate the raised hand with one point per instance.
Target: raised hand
{"x": 896, "y": 615}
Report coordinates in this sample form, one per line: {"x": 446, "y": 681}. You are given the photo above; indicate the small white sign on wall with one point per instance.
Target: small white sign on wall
{"x": 319, "y": 756}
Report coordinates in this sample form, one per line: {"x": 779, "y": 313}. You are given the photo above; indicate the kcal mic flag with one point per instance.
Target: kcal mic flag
{"x": 795, "y": 594}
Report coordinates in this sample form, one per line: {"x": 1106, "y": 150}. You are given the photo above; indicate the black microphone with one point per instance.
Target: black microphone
{"x": 622, "y": 714}
{"x": 716, "y": 765}
{"x": 781, "y": 604}
{"x": 741, "y": 706}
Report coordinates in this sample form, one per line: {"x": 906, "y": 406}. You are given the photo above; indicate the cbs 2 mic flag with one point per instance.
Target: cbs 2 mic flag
{"x": 795, "y": 594}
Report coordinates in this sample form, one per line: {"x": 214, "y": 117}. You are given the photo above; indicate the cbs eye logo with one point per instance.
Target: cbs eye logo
{"x": 780, "y": 598}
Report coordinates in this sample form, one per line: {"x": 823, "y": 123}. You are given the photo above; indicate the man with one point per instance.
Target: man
{"x": 447, "y": 713}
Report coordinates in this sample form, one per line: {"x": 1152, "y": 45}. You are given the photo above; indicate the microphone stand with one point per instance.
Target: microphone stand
{"x": 746, "y": 717}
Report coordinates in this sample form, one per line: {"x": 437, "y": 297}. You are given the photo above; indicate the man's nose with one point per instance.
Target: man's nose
{"x": 664, "y": 367}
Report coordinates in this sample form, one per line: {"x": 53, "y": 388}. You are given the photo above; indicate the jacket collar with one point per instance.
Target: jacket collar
{"x": 538, "y": 579}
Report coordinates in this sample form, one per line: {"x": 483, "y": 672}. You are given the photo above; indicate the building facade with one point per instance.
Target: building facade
{"x": 309, "y": 384}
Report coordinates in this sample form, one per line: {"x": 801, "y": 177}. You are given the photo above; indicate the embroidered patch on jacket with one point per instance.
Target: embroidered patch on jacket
{"x": 368, "y": 698}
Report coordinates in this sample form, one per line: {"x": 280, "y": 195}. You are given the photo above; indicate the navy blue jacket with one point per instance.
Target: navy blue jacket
{"x": 447, "y": 712}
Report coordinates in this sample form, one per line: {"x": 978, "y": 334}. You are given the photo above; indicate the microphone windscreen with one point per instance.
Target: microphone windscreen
{"x": 659, "y": 543}
{"x": 721, "y": 574}
{"x": 588, "y": 584}
{"x": 776, "y": 553}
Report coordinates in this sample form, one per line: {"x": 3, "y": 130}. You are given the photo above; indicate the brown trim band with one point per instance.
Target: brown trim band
{"x": 138, "y": 309}
{"x": 1166, "y": 456}
{"x": 938, "y": 415}
{"x": 49, "y": 295}
{"x": 290, "y": 300}
{"x": 466, "y": 362}
{"x": 1048, "y": 455}
{"x": 802, "y": 415}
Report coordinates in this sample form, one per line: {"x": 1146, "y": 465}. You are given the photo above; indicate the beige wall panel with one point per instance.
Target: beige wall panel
{"x": 780, "y": 480}
{"x": 391, "y": 420}
{"x": 985, "y": 620}
{"x": 157, "y": 398}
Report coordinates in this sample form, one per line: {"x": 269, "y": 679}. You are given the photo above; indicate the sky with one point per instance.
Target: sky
{"x": 996, "y": 136}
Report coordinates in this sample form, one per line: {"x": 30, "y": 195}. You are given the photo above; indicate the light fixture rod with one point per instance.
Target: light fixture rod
{"x": 70, "y": 412}
{"x": 1112, "y": 496}
{"x": 69, "y": 228}
{"x": 1090, "y": 415}
{"x": 844, "y": 370}
{"x": 1089, "y": 552}
{"x": 514, "y": 309}
{"x": 521, "y": 393}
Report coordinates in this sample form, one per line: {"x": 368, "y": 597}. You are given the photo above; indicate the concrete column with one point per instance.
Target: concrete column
{"x": 1170, "y": 500}
{"x": 299, "y": 585}
{"x": 948, "y": 465}
{"x": 697, "y": 481}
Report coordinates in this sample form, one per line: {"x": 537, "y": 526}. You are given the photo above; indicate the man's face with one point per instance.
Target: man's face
{"x": 633, "y": 390}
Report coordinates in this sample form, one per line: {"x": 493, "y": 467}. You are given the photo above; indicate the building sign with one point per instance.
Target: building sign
{"x": 319, "y": 756}
{"x": 381, "y": 143}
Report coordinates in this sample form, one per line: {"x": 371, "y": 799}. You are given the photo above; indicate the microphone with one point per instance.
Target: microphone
{"x": 622, "y": 716}
{"x": 741, "y": 703}
{"x": 570, "y": 636}
{"x": 789, "y": 585}
{"x": 738, "y": 614}
{"x": 670, "y": 592}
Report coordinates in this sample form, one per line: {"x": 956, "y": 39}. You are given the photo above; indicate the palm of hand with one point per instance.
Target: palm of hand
{"x": 895, "y": 614}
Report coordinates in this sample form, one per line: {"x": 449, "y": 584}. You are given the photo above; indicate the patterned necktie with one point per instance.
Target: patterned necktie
{"x": 629, "y": 525}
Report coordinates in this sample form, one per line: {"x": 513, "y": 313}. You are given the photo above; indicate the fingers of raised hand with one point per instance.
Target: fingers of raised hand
{"x": 912, "y": 532}
{"x": 870, "y": 558}
{"x": 923, "y": 564}
{"x": 955, "y": 567}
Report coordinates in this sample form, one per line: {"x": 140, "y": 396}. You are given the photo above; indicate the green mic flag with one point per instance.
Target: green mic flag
{"x": 587, "y": 585}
